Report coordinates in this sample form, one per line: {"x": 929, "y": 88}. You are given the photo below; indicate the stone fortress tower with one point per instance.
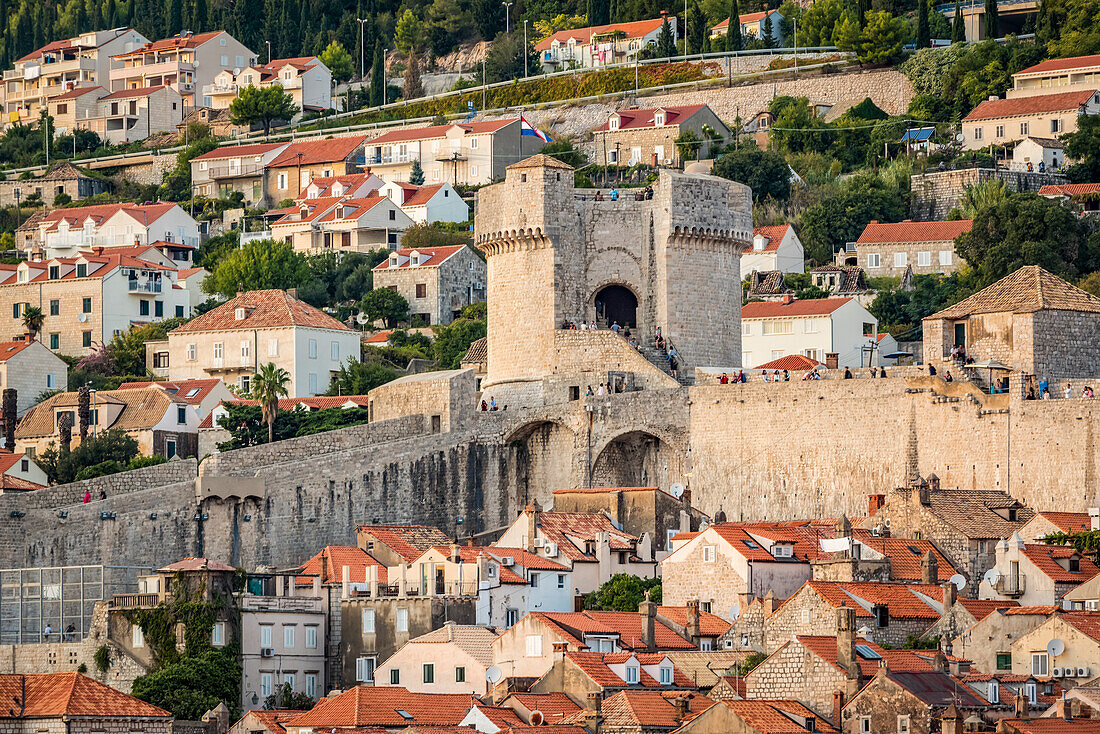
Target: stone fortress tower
{"x": 556, "y": 255}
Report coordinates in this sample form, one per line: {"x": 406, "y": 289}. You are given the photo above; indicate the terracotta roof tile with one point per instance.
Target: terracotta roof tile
{"x": 238, "y": 151}
{"x": 502, "y": 716}
{"x": 408, "y": 541}
{"x": 273, "y": 720}
{"x": 973, "y": 512}
{"x": 632, "y": 709}
{"x": 771, "y": 717}
{"x": 553, "y": 706}
{"x": 55, "y": 695}
{"x": 190, "y": 40}
{"x": 791, "y": 362}
{"x": 900, "y": 599}
{"x": 141, "y": 409}
{"x": 596, "y": 665}
{"x": 1074, "y": 62}
{"x": 130, "y": 93}
{"x": 1052, "y": 725}
{"x": 634, "y": 119}
{"x": 709, "y": 624}
{"x": 629, "y": 627}
{"x": 318, "y": 151}
{"x": 438, "y": 131}
{"x": 370, "y": 706}
{"x": 744, "y": 18}
{"x": 335, "y": 557}
{"x": 475, "y": 641}
{"x": 265, "y": 309}
{"x": 1046, "y": 557}
{"x": 1068, "y": 522}
{"x": 10, "y": 349}
{"x": 773, "y": 234}
{"x": 906, "y": 556}
{"x": 636, "y": 29}
{"x": 436, "y": 256}
{"x": 523, "y": 558}
{"x": 778, "y": 309}
{"x": 908, "y": 231}
{"x": 192, "y": 392}
{"x": 1079, "y": 189}
{"x": 980, "y": 608}
{"x": 77, "y": 92}
{"x": 825, "y": 648}
{"x": 423, "y": 195}
{"x": 992, "y": 109}
{"x": 100, "y": 213}
{"x": 559, "y": 527}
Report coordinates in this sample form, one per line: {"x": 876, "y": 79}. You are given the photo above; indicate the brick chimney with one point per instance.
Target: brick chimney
{"x": 1063, "y": 709}
{"x": 875, "y": 503}
{"x": 832, "y": 360}
{"x": 693, "y": 626}
{"x": 1021, "y": 705}
{"x": 532, "y": 526}
{"x": 681, "y": 705}
{"x": 788, "y": 299}
{"x": 838, "y": 706}
{"x": 949, "y": 595}
{"x": 846, "y": 640}
{"x": 929, "y": 569}
{"x": 648, "y": 612}
{"x": 592, "y": 712}
{"x": 770, "y": 604}
{"x": 952, "y": 721}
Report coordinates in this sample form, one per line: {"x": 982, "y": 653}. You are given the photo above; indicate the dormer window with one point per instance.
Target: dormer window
{"x": 659, "y": 118}
{"x": 783, "y": 550}
{"x": 393, "y": 261}
{"x": 613, "y": 122}
{"x": 1075, "y": 564}
{"x": 240, "y": 314}
{"x": 666, "y": 675}
{"x": 994, "y": 691}
{"x": 758, "y": 243}
{"x": 632, "y": 671}
{"x": 414, "y": 258}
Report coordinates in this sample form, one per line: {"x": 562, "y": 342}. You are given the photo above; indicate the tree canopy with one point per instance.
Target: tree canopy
{"x": 623, "y": 593}
{"x": 259, "y": 265}
{"x": 767, "y": 173}
{"x": 263, "y": 105}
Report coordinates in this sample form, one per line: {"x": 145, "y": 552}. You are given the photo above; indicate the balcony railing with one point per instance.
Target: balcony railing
{"x": 453, "y": 588}
{"x": 227, "y": 171}
{"x": 136, "y": 601}
{"x": 247, "y": 237}
{"x": 1011, "y": 585}
{"x": 138, "y": 286}
{"x": 250, "y": 603}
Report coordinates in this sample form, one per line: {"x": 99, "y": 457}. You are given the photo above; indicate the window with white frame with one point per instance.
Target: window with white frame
{"x": 138, "y": 637}
{"x": 613, "y": 122}
{"x": 534, "y": 646}
{"x": 1039, "y": 664}
{"x": 281, "y": 182}
{"x": 311, "y": 636}
{"x": 265, "y": 635}
{"x": 924, "y": 259}
{"x": 367, "y": 620}
{"x": 810, "y": 326}
{"x": 709, "y": 553}
{"x": 901, "y": 259}
{"x": 311, "y": 685}
{"x": 334, "y": 351}
{"x": 865, "y": 725}
{"x": 631, "y": 674}
{"x": 288, "y": 636}
{"x": 217, "y": 634}
{"x": 219, "y": 350}
{"x": 364, "y": 669}
{"x": 777, "y": 326}
{"x": 978, "y": 133}
{"x": 874, "y": 260}
{"x": 666, "y": 675}
{"x": 246, "y": 349}
{"x": 313, "y": 349}
{"x": 192, "y": 352}
{"x": 402, "y": 621}
{"x": 266, "y": 684}
{"x": 946, "y": 257}
{"x": 273, "y": 347}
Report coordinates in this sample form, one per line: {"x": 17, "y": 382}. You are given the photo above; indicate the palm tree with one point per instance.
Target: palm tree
{"x": 33, "y": 318}
{"x": 268, "y": 385}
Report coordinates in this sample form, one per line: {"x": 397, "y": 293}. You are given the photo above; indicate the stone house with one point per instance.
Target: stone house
{"x": 642, "y": 712}
{"x": 263, "y": 721}
{"x": 634, "y": 136}
{"x": 59, "y": 67}
{"x": 964, "y": 525}
{"x": 467, "y": 153}
{"x": 300, "y": 162}
{"x": 134, "y": 113}
{"x": 580, "y": 674}
{"x": 1000, "y": 121}
{"x": 886, "y": 612}
{"x": 1046, "y": 523}
{"x": 1031, "y": 320}
{"x": 1079, "y": 632}
{"x": 220, "y": 123}
{"x": 1034, "y": 574}
{"x": 383, "y": 708}
{"x": 429, "y": 203}
{"x": 394, "y": 544}
{"x": 341, "y": 224}
{"x": 30, "y": 369}
{"x": 908, "y": 701}
{"x": 588, "y": 543}
{"x": 988, "y": 641}
{"x": 76, "y": 704}
{"x": 452, "y": 659}
{"x": 161, "y": 423}
{"x": 18, "y": 473}
{"x": 768, "y": 285}
{"x": 232, "y": 341}
{"x": 636, "y": 510}
{"x": 962, "y": 613}
{"x": 767, "y": 716}
{"x": 600, "y": 45}
{"x": 185, "y": 63}
{"x": 814, "y": 328}
{"x": 893, "y": 248}
{"x": 61, "y": 178}
{"x": 841, "y": 280}
{"x": 774, "y": 248}
{"x": 444, "y": 397}
{"x": 305, "y": 78}
{"x": 234, "y": 168}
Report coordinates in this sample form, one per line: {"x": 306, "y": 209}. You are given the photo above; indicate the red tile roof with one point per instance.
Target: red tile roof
{"x": 774, "y": 234}
{"x": 627, "y": 710}
{"x": 189, "y": 391}
{"x": 10, "y": 349}
{"x": 422, "y": 195}
{"x": 596, "y": 665}
{"x": 438, "y": 131}
{"x": 335, "y": 557}
{"x": 634, "y": 119}
{"x": 408, "y": 541}
{"x": 900, "y": 599}
{"x": 265, "y": 309}
{"x": 559, "y": 527}
{"x": 54, "y": 695}
{"x": 1045, "y": 610}
{"x": 825, "y": 648}
{"x": 637, "y": 29}
{"x": 502, "y": 716}
{"x": 318, "y": 151}
{"x": 906, "y": 556}
{"x": 1052, "y": 725}
{"x": 273, "y": 720}
{"x": 76, "y": 92}
{"x": 1063, "y": 101}
{"x": 176, "y": 42}
{"x": 99, "y": 213}
{"x": 370, "y": 706}
{"x": 523, "y": 558}
{"x": 791, "y": 362}
{"x": 1068, "y": 522}
{"x": 779, "y": 309}
{"x": 770, "y": 717}
{"x": 553, "y": 706}
{"x": 70, "y": 44}
{"x": 238, "y": 151}
{"x": 710, "y": 625}
{"x": 746, "y": 18}
{"x": 629, "y": 627}
{"x": 129, "y": 93}
{"x": 436, "y": 256}
{"x": 1069, "y": 189}
{"x": 1074, "y": 62}
{"x": 980, "y": 609}
{"x": 909, "y": 231}
{"x": 1046, "y": 557}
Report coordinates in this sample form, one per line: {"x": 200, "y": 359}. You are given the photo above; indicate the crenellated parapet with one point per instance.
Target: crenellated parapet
{"x": 512, "y": 240}
{"x": 708, "y": 240}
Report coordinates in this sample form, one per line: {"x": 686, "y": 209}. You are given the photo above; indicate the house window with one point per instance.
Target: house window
{"x": 311, "y": 636}
{"x": 265, "y": 635}
{"x": 289, "y": 679}
{"x": 706, "y": 645}
{"x": 367, "y": 621}
{"x": 1023, "y": 128}
{"x": 143, "y": 308}
{"x": 806, "y": 616}
{"x": 54, "y": 272}
{"x": 613, "y": 123}
{"x": 217, "y": 634}
{"x": 632, "y": 674}
{"x": 138, "y": 637}
{"x": 402, "y": 619}
{"x": 1056, "y": 126}
{"x": 429, "y": 672}
{"x": 266, "y": 680}
{"x": 561, "y": 580}
{"x": 393, "y": 215}
{"x": 313, "y": 349}
{"x": 313, "y": 383}
{"x": 246, "y": 349}
{"x": 273, "y": 347}
{"x": 86, "y": 339}
{"x": 81, "y": 270}
{"x": 334, "y": 351}
{"x": 55, "y": 341}
{"x": 901, "y": 259}
{"x": 474, "y": 142}
{"x": 924, "y": 259}
{"x": 865, "y": 725}
{"x": 192, "y": 352}
{"x": 709, "y": 553}
{"x": 874, "y": 260}
{"x": 181, "y": 414}
{"x": 999, "y": 132}
{"x": 395, "y": 677}
{"x": 903, "y": 724}
{"x": 311, "y": 685}
{"x": 364, "y": 669}
{"x": 158, "y": 309}
{"x": 179, "y": 312}
{"x": 281, "y": 182}
{"x": 666, "y": 676}
{"x": 1039, "y": 664}
{"x": 810, "y": 326}
{"x": 977, "y": 133}
{"x": 421, "y": 290}
{"x": 288, "y": 636}
{"x": 460, "y": 674}
{"x": 86, "y": 305}
{"x": 511, "y": 616}
{"x": 55, "y": 307}
{"x": 945, "y": 257}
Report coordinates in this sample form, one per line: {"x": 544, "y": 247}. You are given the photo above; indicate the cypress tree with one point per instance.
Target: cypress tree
{"x": 923, "y": 33}
{"x": 377, "y": 76}
{"x": 766, "y": 32}
{"x": 599, "y": 12}
{"x": 862, "y": 9}
{"x": 175, "y": 18}
{"x": 734, "y": 42}
{"x": 666, "y": 46}
{"x": 991, "y": 23}
{"x": 958, "y": 31}
{"x": 200, "y": 18}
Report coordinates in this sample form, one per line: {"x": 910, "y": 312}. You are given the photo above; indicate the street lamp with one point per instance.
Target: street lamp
{"x": 268, "y": 51}
{"x": 362, "y": 69}
{"x": 507, "y": 16}
{"x": 525, "y": 49}
{"x": 385, "y": 82}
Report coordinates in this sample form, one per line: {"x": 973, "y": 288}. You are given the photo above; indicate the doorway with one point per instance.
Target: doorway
{"x": 616, "y": 303}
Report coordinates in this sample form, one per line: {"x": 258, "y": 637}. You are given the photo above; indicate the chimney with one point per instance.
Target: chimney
{"x": 456, "y": 555}
{"x": 838, "y": 706}
{"x": 1021, "y": 705}
{"x": 875, "y": 503}
{"x": 293, "y": 293}
{"x": 617, "y": 508}
{"x": 1063, "y": 709}
{"x": 648, "y": 612}
{"x": 787, "y": 299}
{"x": 939, "y": 661}
{"x": 949, "y": 594}
{"x": 559, "y": 650}
{"x": 681, "y": 705}
{"x": 532, "y": 526}
{"x": 929, "y": 569}
{"x": 846, "y": 640}
{"x": 592, "y": 712}
{"x": 693, "y": 627}
{"x": 770, "y": 604}
{"x": 345, "y": 582}
{"x": 952, "y": 721}
{"x": 832, "y": 360}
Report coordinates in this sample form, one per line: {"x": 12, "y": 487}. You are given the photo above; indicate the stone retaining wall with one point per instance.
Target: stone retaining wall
{"x": 936, "y": 193}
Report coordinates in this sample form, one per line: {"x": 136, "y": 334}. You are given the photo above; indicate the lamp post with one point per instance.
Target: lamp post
{"x": 268, "y": 51}
{"x": 525, "y": 50}
{"x": 362, "y": 68}
{"x": 507, "y": 16}
{"x": 385, "y": 82}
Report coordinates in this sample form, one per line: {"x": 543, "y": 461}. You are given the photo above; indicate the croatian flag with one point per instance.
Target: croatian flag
{"x": 526, "y": 128}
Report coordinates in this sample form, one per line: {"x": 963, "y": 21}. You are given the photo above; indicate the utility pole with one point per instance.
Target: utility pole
{"x": 525, "y": 51}
{"x": 268, "y": 51}
{"x": 507, "y": 16}
{"x": 794, "y": 31}
{"x": 618, "y": 162}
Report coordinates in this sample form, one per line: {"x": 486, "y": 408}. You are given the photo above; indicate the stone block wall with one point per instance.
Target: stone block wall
{"x": 936, "y": 193}
{"x": 1064, "y": 344}
{"x": 796, "y": 673}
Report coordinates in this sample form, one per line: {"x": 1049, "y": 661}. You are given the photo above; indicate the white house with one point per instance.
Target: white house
{"x": 20, "y": 473}
{"x": 999, "y": 121}
{"x": 752, "y": 25}
{"x": 352, "y": 185}
{"x": 63, "y": 232}
{"x": 29, "y": 368}
{"x": 601, "y": 45}
{"x": 454, "y": 658}
{"x": 774, "y": 248}
{"x": 305, "y": 78}
{"x": 813, "y": 328}
{"x": 426, "y": 204}
{"x": 1038, "y": 154}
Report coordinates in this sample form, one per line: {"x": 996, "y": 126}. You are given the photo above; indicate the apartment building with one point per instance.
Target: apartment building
{"x": 426, "y": 204}
{"x": 234, "y": 168}
{"x": 232, "y": 341}
{"x": 892, "y": 248}
{"x": 299, "y": 163}
{"x": 342, "y": 223}
{"x": 65, "y": 232}
{"x": 438, "y": 282}
{"x": 999, "y": 121}
{"x": 305, "y": 78}
{"x": 59, "y": 67}
{"x": 186, "y": 63}
{"x": 89, "y": 298}
{"x": 470, "y": 153}
{"x": 135, "y": 113}
{"x": 1057, "y": 75}
{"x": 601, "y": 45}
{"x": 813, "y": 328}
{"x": 648, "y": 136}
{"x": 80, "y": 103}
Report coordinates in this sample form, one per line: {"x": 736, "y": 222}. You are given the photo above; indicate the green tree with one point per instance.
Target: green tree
{"x": 33, "y": 318}
{"x": 624, "y": 593}
{"x": 193, "y": 685}
{"x": 407, "y": 33}
{"x": 453, "y": 341}
{"x": 416, "y": 173}
{"x": 504, "y": 61}
{"x": 62, "y": 467}
{"x": 176, "y": 184}
{"x": 359, "y": 378}
{"x": 958, "y": 30}
{"x": 259, "y": 265}
{"x": 816, "y": 25}
{"x": 842, "y": 218}
{"x": 382, "y": 303}
{"x": 263, "y": 105}
{"x": 1090, "y": 283}
{"x": 338, "y": 61}
{"x": 666, "y": 45}
{"x": 924, "y": 39}
{"x": 767, "y": 32}
{"x": 268, "y": 385}
{"x": 982, "y": 196}
{"x": 687, "y": 145}
{"x": 697, "y": 28}
{"x": 1052, "y": 16}
{"x": 378, "y": 76}
{"x": 882, "y": 38}
{"x": 734, "y": 42}
{"x": 766, "y": 173}
{"x": 991, "y": 23}
{"x": 422, "y": 235}
{"x": 284, "y": 698}
{"x": 127, "y": 348}
{"x": 1083, "y": 146}
{"x": 413, "y": 88}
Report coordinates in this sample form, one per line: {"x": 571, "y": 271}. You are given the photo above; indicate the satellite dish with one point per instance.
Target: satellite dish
{"x": 493, "y": 674}
{"x": 82, "y": 317}
{"x": 1055, "y": 647}
{"x": 959, "y": 581}
{"x": 361, "y": 319}
{"x": 677, "y": 490}
{"x": 960, "y": 137}
{"x": 735, "y": 612}
{"x": 992, "y": 576}
{"x": 537, "y": 719}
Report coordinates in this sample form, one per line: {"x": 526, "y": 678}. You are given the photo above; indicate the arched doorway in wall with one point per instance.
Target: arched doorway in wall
{"x": 616, "y": 303}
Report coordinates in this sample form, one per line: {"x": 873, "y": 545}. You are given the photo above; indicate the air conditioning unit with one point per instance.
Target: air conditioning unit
{"x": 1083, "y": 672}
{"x": 267, "y": 652}
{"x": 507, "y": 561}
{"x": 552, "y": 550}
{"x": 539, "y": 542}
{"x": 668, "y": 161}
{"x": 1057, "y": 672}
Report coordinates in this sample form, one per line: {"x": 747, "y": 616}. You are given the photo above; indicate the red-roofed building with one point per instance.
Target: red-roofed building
{"x": 75, "y": 703}
{"x": 632, "y": 135}
{"x": 234, "y": 168}
{"x": 437, "y": 282}
{"x": 30, "y": 368}
{"x": 774, "y": 247}
{"x": 388, "y": 708}
{"x": 395, "y": 544}
{"x": 186, "y": 63}
{"x": 579, "y": 674}
{"x": 554, "y": 706}
{"x": 341, "y": 223}
{"x": 305, "y": 78}
{"x": 470, "y": 153}
{"x": 1045, "y": 523}
{"x": 1049, "y": 725}
{"x": 1077, "y": 72}
{"x": 1075, "y": 664}
{"x": 814, "y": 328}
{"x": 645, "y": 711}
{"x": 595, "y": 46}
{"x": 892, "y": 248}
{"x": 1035, "y": 574}
{"x": 304, "y": 160}
{"x": 753, "y": 25}
{"x": 917, "y": 699}
{"x": 20, "y": 473}
{"x": 65, "y": 232}
{"x": 1084, "y": 195}
{"x": 999, "y": 121}
{"x": 352, "y": 185}
{"x": 205, "y": 395}
{"x": 760, "y": 716}
{"x": 59, "y": 67}
{"x": 129, "y": 114}
{"x": 437, "y": 202}
{"x": 231, "y": 341}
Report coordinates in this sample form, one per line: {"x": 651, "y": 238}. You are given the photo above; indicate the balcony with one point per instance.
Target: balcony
{"x": 247, "y": 237}
{"x": 234, "y": 171}
{"x": 253, "y": 603}
{"x": 1011, "y": 586}
{"x": 219, "y": 90}
{"x": 138, "y": 286}
{"x": 137, "y": 601}
{"x": 155, "y": 69}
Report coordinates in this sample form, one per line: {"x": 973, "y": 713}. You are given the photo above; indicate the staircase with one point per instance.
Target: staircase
{"x": 658, "y": 359}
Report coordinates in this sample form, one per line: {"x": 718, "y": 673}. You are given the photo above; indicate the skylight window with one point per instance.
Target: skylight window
{"x": 404, "y": 714}
{"x": 865, "y": 652}
{"x": 750, "y": 544}
{"x": 192, "y": 392}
